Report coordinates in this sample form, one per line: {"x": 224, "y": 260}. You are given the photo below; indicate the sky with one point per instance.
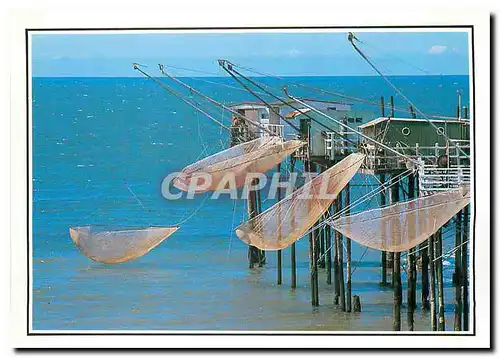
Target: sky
{"x": 88, "y": 54}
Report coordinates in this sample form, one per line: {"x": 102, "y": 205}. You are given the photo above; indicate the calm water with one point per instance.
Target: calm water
{"x": 92, "y": 135}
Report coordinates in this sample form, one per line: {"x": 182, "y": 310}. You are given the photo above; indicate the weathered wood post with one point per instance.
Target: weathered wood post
{"x": 396, "y": 271}
{"x": 336, "y": 275}
{"x": 432, "y": 279}
{"x": 252, "y": 210}
{"x": 262, "y": 253}
{"x": 412, "y": 269}
{"x": 279, "y": 278}
{"x": 348, "y": 251}
{"x": 439, "y": 274}
{"x": 412, "y": 111}
{"x": 391, "y": 103}
{"x": 329, "y": 251}
{"x": 382, "y": 106}
{"x": 457, "y": 276}
{"x": 383, "y": 202}
{"x": 313, "y": 260}
{"x": 293, "y": 257}
{"x": 465, "y": 269}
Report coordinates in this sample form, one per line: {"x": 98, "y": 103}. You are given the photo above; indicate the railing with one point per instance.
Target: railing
{"x": 378, "y": 159}
{"x": 340, "y": 145}
{"x": 277, "y": 129}
{"x": 432, "y": 178}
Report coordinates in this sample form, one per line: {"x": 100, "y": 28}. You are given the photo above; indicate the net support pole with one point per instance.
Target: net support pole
{"x": 412, "y": 270}
{"x": 348, "y": 252}
{"x": 465, "y": 283}
{"x": 279, "y": 273}
{"x": 432, "y": 283}
{"x": 396, "y": 271}
{"x": 439, "y": 274}
{"x": 457, "y": 326}
{"x": 384, "y": 254}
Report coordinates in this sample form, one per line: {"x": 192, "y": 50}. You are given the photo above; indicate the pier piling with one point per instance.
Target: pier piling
{"x": 348, "y": 252}
{"x": 396, "y": 272}
{"x": 439, "y": 276}
{"x": 279, "y": 273}
{"x": 412, "y": 270}
{"x": 457, "y": 276}
{"x": 432, "y": 283}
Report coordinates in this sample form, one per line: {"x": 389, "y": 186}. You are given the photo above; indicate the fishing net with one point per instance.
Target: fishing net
{"x": 404, "y": 225}
{"x": 288, "y": 220}
{"x": 114, "y": 247}
{"x": 256, "y": 156}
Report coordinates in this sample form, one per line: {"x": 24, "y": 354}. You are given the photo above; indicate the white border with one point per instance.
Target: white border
{"x": 110, "y": 17}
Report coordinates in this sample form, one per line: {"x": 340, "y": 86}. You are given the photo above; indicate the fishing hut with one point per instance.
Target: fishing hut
{"x": 265, "y": 115}
{"x": 439, "y": 150}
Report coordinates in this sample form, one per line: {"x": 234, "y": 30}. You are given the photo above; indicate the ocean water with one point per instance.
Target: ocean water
{"x": 94, "y": 138}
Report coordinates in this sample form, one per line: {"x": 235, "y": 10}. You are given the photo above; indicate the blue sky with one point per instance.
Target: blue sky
{"x": 286, "y": 54}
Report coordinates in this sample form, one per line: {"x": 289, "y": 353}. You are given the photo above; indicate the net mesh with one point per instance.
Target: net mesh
{"x": 288, "y": 220}
{"x": 257, "y": 156}
{"x": 113, "y": 247}
{"x": 404, "y": 225}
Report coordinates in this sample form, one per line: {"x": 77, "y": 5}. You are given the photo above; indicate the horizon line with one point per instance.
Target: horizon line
{"x": 360, "y": 75}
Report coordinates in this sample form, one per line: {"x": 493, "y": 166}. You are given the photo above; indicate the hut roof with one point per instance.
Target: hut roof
{"x": 422, "y": 120}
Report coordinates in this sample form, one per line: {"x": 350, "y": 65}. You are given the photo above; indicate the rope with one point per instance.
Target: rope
{"x": 351, "y": 39}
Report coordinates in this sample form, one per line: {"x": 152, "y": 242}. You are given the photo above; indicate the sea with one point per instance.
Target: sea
{"x": 101, "y": 149}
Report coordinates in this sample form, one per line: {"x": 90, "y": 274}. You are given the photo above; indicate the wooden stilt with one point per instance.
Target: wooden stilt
{"x": 328, "y": 234}
{"x": 396, "y": 271}
{"x": 336, "y": 275}
{"x": 457, "y": 281}
{"x": 279, "y": 273}
{"x": 432, "y": 283}
{"x": 340, "y": 249}
{"x": 348, "y": 250}
{"x": 293, "y": 258}
{"x": 262, "y": 253}
{"x": 424, "y": 259}
{"x": 391, "y": 104}
{"x": 465, "y": 269}
{"x": 383, "y": 202}
{"x": 253, "y": 252}
{"x": 313, "y": 263}
{"x": 412, "y": 269}
{"x": 439, "y": 276}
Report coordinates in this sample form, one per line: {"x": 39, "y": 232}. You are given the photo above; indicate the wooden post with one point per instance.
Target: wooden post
{"x": 412, "y": 111}
{"x": 396, "y": 271}
{"x": 279, "y": 278}
{"x": 439, "y": 274}
{"x": 465, "y": 270}
{"x": 336, "y": 275}
{"x": 382, "y": 107}
{"x": 432, "y": 279}
{"x": 412, "y": 269}
{"x": 293, "y": 257}
{"x": 321, "y": 237}
{"x": 329, "y": 248}
{"x": 253, "y": 252}
{"x": 466, "y": 112}
{"x": 348, "y": 249}
{"x": 391, "y": 103}
{"x": 383, "y": 202}
{"x": 457, "y": 281}
{"x": 262, "y": 253}
{"x": 424, "y": 259}
{"x": 313, "y": 259}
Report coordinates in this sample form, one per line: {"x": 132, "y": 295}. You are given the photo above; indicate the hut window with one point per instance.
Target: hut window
{"x": 405, "y": 131}
{"x": 440, "y": 131}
